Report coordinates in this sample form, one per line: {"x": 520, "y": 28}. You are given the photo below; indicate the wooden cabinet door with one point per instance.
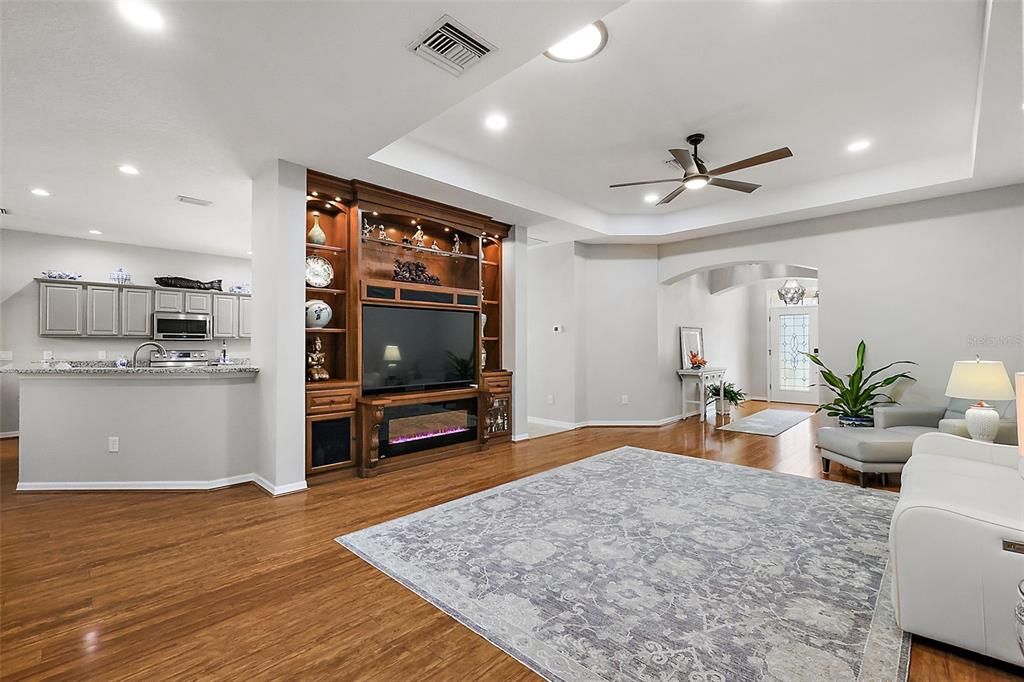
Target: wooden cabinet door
{"x": 225, "y": 317}
{"x": 137, "y": 312}
{"x": 102, "y": 311}
{"x": 60, "y": 309}
{"x": 197, "y": 303}
{"x": 244, "y": 317}
{"x": 168, "y": 301}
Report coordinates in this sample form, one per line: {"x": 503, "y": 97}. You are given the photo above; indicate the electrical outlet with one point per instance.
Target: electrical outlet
{"x": 101, "y": 355}
{"x": 47, "y": 355}
{"x": 113, "y": 444}
{"x": 551, "y": 399}
{"x": 625, "y": 400}
{"x": 6, "y": 355}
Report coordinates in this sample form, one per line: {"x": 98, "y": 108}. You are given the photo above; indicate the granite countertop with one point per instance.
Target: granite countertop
{"x": 85, "y": 369}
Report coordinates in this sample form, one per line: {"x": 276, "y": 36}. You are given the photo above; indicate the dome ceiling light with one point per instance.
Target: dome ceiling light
{"x": 581, "y": 45}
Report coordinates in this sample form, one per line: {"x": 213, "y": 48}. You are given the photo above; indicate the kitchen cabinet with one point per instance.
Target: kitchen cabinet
{"x": 197, "y": 303}
{"x": 169, "y": 301}
{"x": 137, "y": 312}
{"x": 245, "y": 318}
{"x": 60, "y": 309}
{"x": 102, "y": 311}
{"x": 225, "y": 316}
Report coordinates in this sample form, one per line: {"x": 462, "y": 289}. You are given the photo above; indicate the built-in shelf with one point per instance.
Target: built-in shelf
{"x": 324, "y": 247}
{"x": 490, "y": 338}
{"x": 489, "y": 262}
{"x": 486, "y": 302}
{"x": 425, "y": 249}
{"x": 324, "y": 290}
{"x": 326, "y": 330}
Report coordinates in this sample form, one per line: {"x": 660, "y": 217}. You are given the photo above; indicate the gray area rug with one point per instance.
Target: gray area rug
{"x": 767, "y": 422}
{"x": 643, "y": 565}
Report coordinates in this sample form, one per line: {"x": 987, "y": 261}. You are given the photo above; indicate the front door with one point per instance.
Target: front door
{"x": 791, "y": 376}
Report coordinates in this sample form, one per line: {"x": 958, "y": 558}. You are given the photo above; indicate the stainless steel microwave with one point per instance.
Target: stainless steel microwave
{"x": 187, "y": 326}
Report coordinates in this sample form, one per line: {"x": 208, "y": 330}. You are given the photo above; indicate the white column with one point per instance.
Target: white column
{"x": 278, "y": 338}
{"x": 515, "y": 268}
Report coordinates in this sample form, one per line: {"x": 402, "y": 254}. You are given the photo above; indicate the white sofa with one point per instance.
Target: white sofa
{"x": 953, "y": 580}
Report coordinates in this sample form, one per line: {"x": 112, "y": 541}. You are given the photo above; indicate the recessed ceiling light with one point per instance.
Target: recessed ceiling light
{"x": 496, "y": 122}
{"x": 583, "y": 44}
{"x": 858, "y": 145}
{"x": 695, "y": 182}
{"x": 128, "y": 169}
{"x": 141, "y": 15}
{"x": 650, "y": 197}
{"x": 95, "y": 232}
{"x": 40, "y": 192}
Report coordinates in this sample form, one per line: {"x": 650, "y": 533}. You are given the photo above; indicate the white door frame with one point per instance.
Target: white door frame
{"x": 774, "y": 394}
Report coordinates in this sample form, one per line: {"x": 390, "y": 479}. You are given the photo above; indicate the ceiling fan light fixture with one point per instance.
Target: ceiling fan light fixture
{"x": 696, "y": 181}
{"x": 581, "y": 45}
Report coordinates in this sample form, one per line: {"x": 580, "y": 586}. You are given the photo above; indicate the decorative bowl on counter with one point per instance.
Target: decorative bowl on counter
{"x": 318, "y": 314}
{"x": 319, "y": 272}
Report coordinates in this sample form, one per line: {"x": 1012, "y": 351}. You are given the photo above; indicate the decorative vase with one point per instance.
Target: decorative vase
{"x": 859, "y": 422}
{"x": 318, "y": 314}
{"x": 316, "y": 233}
{"x": 723, "y": 406}
{"x": 483, "y": 358}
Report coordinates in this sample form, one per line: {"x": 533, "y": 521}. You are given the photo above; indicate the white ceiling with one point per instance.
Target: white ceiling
{"x": 228, "y": 87}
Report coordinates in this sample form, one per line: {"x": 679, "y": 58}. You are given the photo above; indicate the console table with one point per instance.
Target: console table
{"x": 704, "y": 377}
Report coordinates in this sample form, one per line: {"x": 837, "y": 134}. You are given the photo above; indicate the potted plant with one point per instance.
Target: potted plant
{"x": 730, "y": 395}
{"x": 857, "y": 397}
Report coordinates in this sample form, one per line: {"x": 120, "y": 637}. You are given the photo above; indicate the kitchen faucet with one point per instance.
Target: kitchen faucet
{"x": 135, "y": 355}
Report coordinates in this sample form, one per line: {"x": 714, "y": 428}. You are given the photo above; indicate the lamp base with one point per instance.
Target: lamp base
{"x": 982, "y": 422}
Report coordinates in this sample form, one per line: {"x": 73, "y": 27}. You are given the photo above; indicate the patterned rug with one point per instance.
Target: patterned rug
{"x": 643, "y": 565}
{"x": 767, "y": 422}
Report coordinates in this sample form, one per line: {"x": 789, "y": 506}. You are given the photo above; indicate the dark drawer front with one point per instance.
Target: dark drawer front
{"x": 320, "y": 402}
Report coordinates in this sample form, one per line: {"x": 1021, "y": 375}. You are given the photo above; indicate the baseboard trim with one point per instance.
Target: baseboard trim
{"x": 516, "y": 437}
{"x": 551, "y": 422}
{"x": 8, "y": 434}
{"x": 180, "y": 486}
{"x": 569, "y": 426}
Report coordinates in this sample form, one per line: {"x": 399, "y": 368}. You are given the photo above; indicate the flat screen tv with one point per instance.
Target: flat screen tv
{"x": 417, "y": 349}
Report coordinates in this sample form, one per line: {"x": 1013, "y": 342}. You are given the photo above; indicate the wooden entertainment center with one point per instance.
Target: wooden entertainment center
{"x": 387, "y": 248}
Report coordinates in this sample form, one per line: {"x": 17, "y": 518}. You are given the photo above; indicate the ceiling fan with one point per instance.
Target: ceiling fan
{"x": 696, "y": 174}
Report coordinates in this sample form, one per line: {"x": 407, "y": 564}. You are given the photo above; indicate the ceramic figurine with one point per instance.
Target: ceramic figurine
{"x": 407, "y": 241}
{"x": 367, "y": 230}
{"x": 315, "y": 360}
{"x": 483, "y": 358}
{"x": 434, "y": 246}
{"x": 382, "y": 234}
{"x": 456, "y": 245}
{"x": 316, "y": 233}
{"x": 419, "y": 238}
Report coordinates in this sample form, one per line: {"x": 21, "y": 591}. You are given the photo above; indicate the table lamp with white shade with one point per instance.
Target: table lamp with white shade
{"x": 980, "y": 380}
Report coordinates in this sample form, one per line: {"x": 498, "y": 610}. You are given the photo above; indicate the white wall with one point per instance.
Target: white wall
{"x": 552, "y": 356}
{"x": 932, "y": 281}
{"x": 23, "y": 256}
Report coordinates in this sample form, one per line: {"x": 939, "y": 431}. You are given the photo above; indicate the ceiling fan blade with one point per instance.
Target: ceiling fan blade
{"x": 645, "y": 182}
{"x": 685, "y": 160}
{"x": 767, "y": 157}
{"x": 747, "y": 187}
{"x": 673, "y": 194}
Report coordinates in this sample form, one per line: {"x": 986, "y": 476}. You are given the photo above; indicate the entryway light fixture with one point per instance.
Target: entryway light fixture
{"x": 792, "y": 292}
{"x": 583, "y": 44}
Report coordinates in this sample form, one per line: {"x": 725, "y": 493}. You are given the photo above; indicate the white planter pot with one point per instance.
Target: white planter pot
{"x": 722, "y": 406}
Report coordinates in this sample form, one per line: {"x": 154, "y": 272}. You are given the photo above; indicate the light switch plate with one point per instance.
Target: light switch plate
{"x": 113, "y": 444}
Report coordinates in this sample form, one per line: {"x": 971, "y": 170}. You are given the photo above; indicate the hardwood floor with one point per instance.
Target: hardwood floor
{"x": 235, "y": 584}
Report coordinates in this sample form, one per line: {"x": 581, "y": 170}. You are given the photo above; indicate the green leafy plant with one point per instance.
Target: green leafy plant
{"x": 462, "y": 368}
{"x": 733, "y": 395}
{"x": 858, "y": 395}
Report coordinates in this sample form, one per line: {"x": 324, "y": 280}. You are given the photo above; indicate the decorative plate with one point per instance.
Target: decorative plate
{"x": 319, "y": 272}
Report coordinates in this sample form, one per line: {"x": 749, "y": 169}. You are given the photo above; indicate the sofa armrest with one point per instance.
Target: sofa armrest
{"x": 965, "y": 448}
{"x": 887, "y": 417}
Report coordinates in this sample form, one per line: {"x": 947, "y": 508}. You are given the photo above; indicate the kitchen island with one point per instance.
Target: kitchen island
{"x": 93, "y": 426}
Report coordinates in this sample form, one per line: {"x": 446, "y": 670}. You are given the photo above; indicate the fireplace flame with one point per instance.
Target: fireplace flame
{"x": 427, "y": 434}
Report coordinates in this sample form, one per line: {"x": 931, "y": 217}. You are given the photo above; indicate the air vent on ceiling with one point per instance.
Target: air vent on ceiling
{"x": 192, "y": 200}
{"x": 451, "y": 46}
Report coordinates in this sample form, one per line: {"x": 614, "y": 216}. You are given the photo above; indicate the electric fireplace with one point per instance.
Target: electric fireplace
{"x": 414, "y": 428}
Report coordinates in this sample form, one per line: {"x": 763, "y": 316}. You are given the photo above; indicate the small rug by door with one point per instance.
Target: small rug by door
{"x": 767, "y": 422}
{"x": 643, "y": 565}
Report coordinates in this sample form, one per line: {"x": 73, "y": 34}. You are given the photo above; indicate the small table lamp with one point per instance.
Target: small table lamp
{"x": 980, "y": 380}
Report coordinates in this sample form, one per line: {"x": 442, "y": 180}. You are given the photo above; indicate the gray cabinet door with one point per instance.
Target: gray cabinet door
{"x": 137, "y": 312}
{"x": 102, "y": 311}
{"x": 225, "y": 317}
{"x": 169, "y": 301}
{"x": 60, "y": 309}
{"x": 244, "y": 317}
{"x": 197, "y": 303}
